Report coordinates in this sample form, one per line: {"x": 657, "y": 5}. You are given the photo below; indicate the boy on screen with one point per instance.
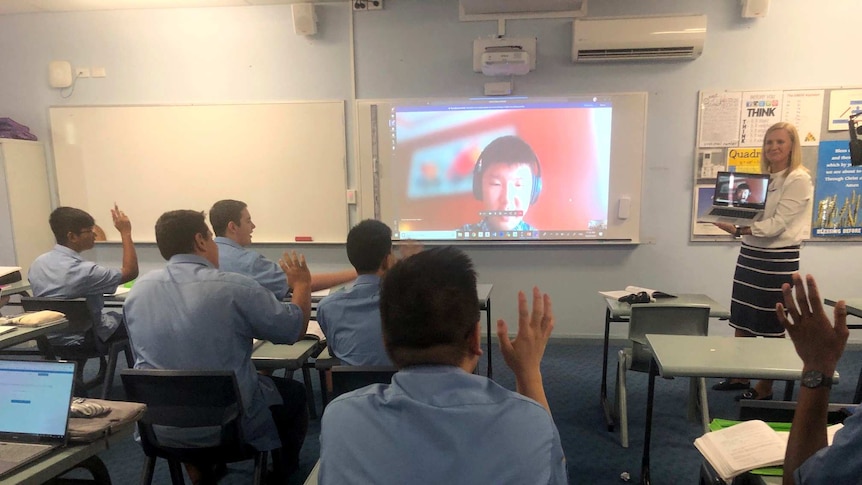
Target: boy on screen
{"x": 507, "y": 178}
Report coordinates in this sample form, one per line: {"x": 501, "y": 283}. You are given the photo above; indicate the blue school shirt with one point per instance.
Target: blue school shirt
{"x": 236, "y": 259}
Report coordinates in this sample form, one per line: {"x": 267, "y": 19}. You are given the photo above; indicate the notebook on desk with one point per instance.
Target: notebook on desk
{"x": 739, "y": 198}
{"x": 34, "y": 409}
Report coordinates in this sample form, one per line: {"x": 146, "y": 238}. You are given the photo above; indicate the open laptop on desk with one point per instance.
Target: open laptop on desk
{"x": 738, "y": 199}
{"x": 34, "y": 409}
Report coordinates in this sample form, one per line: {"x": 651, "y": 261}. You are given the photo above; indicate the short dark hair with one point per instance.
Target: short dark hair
{"x": 176, "y": 231}
{"x": 224, "y": 212}
{"x": 742, "y": 186}
{"x": 509, "y": 149}
{"x": 64, "y": 220}
{"x": 429, "y": 307}
{"x": 368, "y": 244}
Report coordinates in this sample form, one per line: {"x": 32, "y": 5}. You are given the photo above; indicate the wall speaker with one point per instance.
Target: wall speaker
{"x": 754, "y": 8}
{"x": 304, "y": 18}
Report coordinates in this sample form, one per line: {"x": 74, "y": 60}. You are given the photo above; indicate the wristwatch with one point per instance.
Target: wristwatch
{"x": 813, "y": 379}
{"x": 737, "y": 233}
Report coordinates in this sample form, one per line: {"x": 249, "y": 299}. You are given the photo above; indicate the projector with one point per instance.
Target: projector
{"x": 505, "y": 62}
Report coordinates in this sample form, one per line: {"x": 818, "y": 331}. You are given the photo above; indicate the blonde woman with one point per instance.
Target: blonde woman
{"x": 770, "y": 247}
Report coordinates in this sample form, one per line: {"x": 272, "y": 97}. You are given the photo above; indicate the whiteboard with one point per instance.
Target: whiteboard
{"x": 287, "y": 161}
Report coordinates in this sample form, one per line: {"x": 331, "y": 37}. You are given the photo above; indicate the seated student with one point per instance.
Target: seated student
{"x": 190, "y": 315}
{"x": 63, "y": 273}
{"x": 808, "y": 460}
{"x": 232, "y": 225}
{"x": 437, "y": 422}
{"x": 350, "y": 319}
{"x": 507, "y": 179}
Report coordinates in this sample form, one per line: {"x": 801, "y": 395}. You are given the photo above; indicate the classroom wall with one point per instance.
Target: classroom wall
{"x": 417, "y": 48}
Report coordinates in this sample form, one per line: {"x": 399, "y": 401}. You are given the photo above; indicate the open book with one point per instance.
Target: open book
{"x": 747, "y": 445}
{"x": 634, "y": 290}
{"x": 313, "y": 332}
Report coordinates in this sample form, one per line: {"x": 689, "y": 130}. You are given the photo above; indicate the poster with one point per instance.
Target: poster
{"x": 837, "y": 195}
{"x": 760, "y": 110}
{"x": 719, "y": 119}
{"x": 746, "y": 160}
{"x": 703, "y": 203}
{"x": 843, "y": 103}
{"x": 804, "y": 109}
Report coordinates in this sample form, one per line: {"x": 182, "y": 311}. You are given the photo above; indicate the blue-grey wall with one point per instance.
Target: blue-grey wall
{"x": 417, "y": 48}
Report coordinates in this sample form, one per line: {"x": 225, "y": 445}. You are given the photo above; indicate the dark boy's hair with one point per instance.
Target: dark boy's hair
{"x": 64, "y": 220}
{"x": 368, "y": 244}
{"x": 176, "y": 231}
{"x": 224, "y": 212}
{"x": 429, "y": 307}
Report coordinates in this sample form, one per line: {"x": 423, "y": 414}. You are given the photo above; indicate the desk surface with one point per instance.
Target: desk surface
{"x": 713, "y": 356}
{"x": 63, "y": 459}
{"x": 275, "y": 356}
{"x": 22, "y": 286}
{"x": 620, "y": 309}
{"x": 854, "y": 305}
{"x": 23, "y": 334}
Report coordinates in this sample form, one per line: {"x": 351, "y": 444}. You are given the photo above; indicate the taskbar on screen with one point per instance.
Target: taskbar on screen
{"x": 496, "y": 235}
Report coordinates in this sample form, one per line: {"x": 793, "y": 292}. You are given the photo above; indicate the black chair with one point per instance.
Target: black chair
{"x": 81, "y": 323}
{"x": 182, "y": 404}
{"x": 346, "y": 378}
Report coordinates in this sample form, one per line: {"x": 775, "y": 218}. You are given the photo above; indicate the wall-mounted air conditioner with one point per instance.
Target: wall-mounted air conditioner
{"x": 638, "y": 38}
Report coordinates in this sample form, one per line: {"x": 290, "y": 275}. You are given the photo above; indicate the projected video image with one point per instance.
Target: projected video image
{"x": 501, "y": 170}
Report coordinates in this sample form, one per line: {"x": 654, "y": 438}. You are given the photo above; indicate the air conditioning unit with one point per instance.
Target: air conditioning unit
{"x": 638, "y": 38}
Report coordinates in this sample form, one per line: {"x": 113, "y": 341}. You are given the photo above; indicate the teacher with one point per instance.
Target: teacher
{"x": 770, "y": 247}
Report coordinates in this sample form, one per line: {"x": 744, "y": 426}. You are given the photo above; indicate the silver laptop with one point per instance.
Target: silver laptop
{"x": 34, "y": 409}
{"x": 739, "y": 198}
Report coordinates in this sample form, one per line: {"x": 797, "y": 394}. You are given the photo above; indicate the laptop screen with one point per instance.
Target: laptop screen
{"x": 35, "y": 398}
{"x": 746, "y": 190}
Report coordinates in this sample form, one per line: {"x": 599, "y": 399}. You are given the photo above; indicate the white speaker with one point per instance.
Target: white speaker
{"x": 304, "y": 18}
{"x": 754, "y": 8}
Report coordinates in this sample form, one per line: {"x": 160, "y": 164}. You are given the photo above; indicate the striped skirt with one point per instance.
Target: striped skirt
{"x": 760, "y": 272}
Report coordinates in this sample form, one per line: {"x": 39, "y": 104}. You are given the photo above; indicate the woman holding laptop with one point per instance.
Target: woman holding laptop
{"x": 770, "y": 247}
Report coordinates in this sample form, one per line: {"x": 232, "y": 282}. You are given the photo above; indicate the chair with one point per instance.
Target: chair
{"x": 81, "y": 323}
{"x": 324, "y": 362}
{"x": 192, "y": 417}
{"x": 659, "y": 319}
{"x": 346, "y": 378}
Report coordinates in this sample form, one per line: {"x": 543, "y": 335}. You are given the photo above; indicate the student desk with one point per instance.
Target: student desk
{"x": 64, "y": 459}
{"x": 854, "y": 307}
{"x": 39, "y": 334}
{"x": 270, "y": 356}
{"x": 696, "y": 356}
{"x": 17, "y": 288}
{"x": 618, "y": 311}
{"x": 311, "y": 479}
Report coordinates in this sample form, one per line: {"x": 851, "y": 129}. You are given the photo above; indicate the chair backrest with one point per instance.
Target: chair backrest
{"x": 663, "y": 319}
{"x": 346, "y": 378}
{"x": 76, "y": 310}
{"x": 192, "y": 416}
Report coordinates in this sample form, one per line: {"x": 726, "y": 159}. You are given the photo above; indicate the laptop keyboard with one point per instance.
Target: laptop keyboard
{"x": 730, "y": 212}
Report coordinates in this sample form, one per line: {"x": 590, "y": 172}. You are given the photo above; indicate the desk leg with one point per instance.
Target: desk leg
{"x": 488, "y": 320}
{"x": 606, "y": 407}
{"x": 653, "y": 371}
{"x": 857, "y": 398}
{"x": 45, "y": 347}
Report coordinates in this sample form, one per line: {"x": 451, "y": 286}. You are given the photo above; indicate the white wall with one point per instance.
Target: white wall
{"x": 417, "y": 48}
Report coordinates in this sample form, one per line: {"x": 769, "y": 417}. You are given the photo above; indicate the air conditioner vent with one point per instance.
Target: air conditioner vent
{"x": 650, "y": 53}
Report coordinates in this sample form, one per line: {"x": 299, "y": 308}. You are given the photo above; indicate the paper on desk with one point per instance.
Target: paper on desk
{"x": 6, "y": 328}
{"x": 121, "y": 290}
{"x": 314, "y": 331}
{"x": 320, "y": 293}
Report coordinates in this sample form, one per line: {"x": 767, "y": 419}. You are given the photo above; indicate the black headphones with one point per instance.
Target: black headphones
{"x": 510, "y": 147}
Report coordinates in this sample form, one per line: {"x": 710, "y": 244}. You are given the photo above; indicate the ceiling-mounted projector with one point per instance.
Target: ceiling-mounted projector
{"x": 505, "y": 61}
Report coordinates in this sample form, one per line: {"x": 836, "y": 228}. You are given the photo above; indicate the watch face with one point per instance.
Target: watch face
{"x": 813, "y": 378}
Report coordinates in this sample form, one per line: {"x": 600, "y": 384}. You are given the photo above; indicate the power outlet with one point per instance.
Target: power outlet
{"x": 82, "y": 72}
{"x": 360, "y": 5}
